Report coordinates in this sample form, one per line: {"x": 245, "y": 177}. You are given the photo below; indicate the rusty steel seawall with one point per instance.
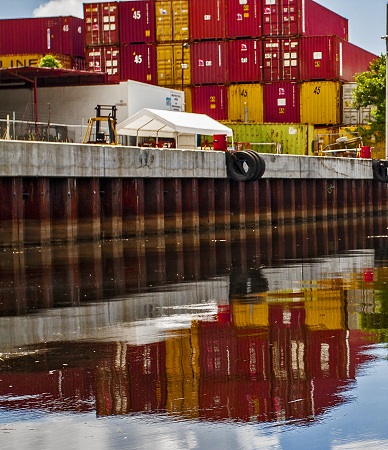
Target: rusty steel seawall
{"x": 69, "y": 192}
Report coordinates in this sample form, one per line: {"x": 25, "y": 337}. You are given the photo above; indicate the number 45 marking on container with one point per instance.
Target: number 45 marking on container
{"x": 138, "y": 59}
{"x": 136, "y": 15}
{"x": 317, "y": 90}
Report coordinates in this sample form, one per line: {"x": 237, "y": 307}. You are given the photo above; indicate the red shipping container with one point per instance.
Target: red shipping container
{"x": 210, "y": 100}
{"x": 244, "y": 58}
{"x": 101, "y": 23}
{"x": 207, "y": 19}
{"x": 281, "y": 102}
{"x": 243, "y": 18}
{"x": 301, "y": 17}
{"x": 209, "y": 63}
{"x": 331, "y": 58}
{"x": 281, "y": 59}
{"x": 138, "y": 63}
{"x": 104, "y": 59}
{"x": 61, "y": 35}
{"x": 137, "y": 22}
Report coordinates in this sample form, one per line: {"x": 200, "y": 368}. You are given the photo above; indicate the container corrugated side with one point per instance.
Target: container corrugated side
{"x": 165, "y": 64}
{"x": 301, "y": 17}
{"x": 320, "y": 102}
{"x": 294, "y": 138}
{"x": 351, "y": 115}
{"x": 281, "y": 102}
{"x": 138, "y": 63}
{"x": 331, "y": 58}
{"x": 33, "y": 60}
{"x": 101, "y": 23}
{"x": 245, "y": 101}
{"x": 137, "y": 22}
{"x": 209, "y": 63}
{"x": 182, "y": 65}
{"x": 60, "y": 35}
{"x": 188, "y": 99}
{"x": 243, "y": 18}
{"x": 104, "y": 59}
{"x": 207, "y": 19}
{"x": 281, "y": 59}
{"x": 181, "y": 25}
{"x": 244, "y": 60}
{"x": 210, "y": 100}
{"x": 163, "y": 21}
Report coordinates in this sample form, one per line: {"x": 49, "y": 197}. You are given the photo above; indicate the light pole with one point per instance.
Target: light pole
{"x": 386, "y": 90}
{"x": 185, "y": 46}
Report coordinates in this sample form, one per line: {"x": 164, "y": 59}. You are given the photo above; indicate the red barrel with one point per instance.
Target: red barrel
{"x": 365, "y": 152}
{"x": 220, "y": 142}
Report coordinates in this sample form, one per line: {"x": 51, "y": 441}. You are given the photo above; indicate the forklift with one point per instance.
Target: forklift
{"x": 101, "y": 137}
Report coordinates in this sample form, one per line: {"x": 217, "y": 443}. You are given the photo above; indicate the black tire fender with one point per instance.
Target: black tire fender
{"x": 380, "y": 170}
{"x": 260, "y": 165}
{"x": 241, "y": 166}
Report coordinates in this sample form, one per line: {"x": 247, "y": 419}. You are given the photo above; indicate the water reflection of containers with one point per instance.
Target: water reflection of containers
{"x": 244, "y": 61}
{"x": 182, "y": 372}
{"x": 147, "y": 377}
{"x": 207, "y": 19}
{"x": 210, "y": 100}
{"x": 326, "y": 354}
{"x": 137, "y": 22}
{"x": 138, "y": 63}
{"x": 217, "y": 350}
{"x": 209, "y": 62}
{"x": 301, "y": 17}
{"x": 325, "y": 310}
{"x": 243, "y": 18}
{"x": 101, "y": 23}
{"x": 281, "y": 102}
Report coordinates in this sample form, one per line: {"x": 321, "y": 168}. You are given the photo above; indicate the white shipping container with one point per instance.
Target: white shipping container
{"x": 350, "y": 115}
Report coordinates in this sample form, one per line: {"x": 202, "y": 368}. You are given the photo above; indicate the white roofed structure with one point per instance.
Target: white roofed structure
{"x": 182, "y": 126}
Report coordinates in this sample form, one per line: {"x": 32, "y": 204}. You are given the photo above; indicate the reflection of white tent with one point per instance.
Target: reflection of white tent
{"x": 182, "y": 126}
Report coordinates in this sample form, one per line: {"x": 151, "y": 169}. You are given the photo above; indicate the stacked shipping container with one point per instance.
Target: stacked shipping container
{"x": 25, "y": 41}
{"x": 271, "y": 60}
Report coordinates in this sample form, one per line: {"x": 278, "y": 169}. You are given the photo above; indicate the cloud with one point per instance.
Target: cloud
{"x": 60, "y": 8}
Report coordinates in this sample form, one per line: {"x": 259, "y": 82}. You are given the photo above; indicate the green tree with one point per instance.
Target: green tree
{"x": 370, "y": 91}
{"x": 50, "y": 61}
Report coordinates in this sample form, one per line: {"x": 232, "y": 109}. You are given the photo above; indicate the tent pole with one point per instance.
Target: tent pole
{"x": 137, "y": 138}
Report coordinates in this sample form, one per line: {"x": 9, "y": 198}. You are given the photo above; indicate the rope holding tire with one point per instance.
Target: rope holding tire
{"x": 380, "y": 170}
{"x": 245, "y": 166}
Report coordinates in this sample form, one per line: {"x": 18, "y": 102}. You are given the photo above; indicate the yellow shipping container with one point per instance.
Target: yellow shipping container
{"x": 163, "y": 19}
{"x": 188, "y": 100}
{"x": 165, "y": 65}
{"x": 377, "y": 147}
{"x": 180, "y": 13}
{"x": 182, "y": 62}
{"x": 250, "y": 315}
{"x": 245, "y": 99}
{"x": 320, "y": 102}
{"x": 33, "y": 60}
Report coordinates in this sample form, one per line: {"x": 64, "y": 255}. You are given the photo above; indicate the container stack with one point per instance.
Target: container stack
{"x": 24, "y": 42}
{"x": 102, "y": 38}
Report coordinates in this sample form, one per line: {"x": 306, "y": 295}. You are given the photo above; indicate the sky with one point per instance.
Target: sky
{"x": 367, "y": 18}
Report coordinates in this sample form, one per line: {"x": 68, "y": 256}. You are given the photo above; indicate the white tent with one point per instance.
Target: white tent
{"x": 182, "y": 126}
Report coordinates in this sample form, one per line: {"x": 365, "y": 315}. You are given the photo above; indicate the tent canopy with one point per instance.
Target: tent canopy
{"x": 160, "y": 123}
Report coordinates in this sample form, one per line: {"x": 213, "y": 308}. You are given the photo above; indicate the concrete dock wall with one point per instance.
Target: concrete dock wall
{"x": 65, "y": 192}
